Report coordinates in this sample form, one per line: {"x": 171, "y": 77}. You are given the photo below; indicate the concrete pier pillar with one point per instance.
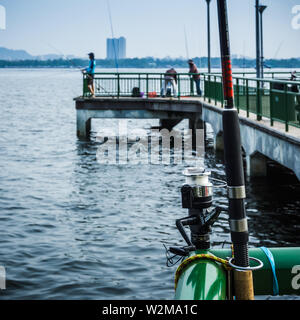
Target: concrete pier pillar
{"x": 83, "y": 124}
{"x": 194, "y": 124}
{"x": 219, "y": 142}
{"x": 256, "y": 165}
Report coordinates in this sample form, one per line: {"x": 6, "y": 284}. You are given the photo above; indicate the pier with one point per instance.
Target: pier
{"x": 269, "y": 111}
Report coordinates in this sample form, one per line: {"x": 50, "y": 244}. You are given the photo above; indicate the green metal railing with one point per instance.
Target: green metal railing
{"x": 277, "y": 100}
{"x": 149, "y": 84}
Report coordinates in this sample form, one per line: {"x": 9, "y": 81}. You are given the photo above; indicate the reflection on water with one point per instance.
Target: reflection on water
{"x": 73, "y": 228}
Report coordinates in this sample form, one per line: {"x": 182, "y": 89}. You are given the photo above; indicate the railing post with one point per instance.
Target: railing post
{"x": 271, "y": 104}
{"x": 258, "y": 101}
{"x": 161, "y": 83}
{"x": 285, "y": 108}
{"x": 191, "y": 86}
{"x": 247, "y": 97}
{"x": 147, "y": 84}
{"x": 205, "y": 88}
{"x": 178, "y": 89}
{"x": 209, "y": 89}
{"x": 215, "y": 84}
{"x": 118, "y": 85}
{"x": 84, "y": 85}
{"x": 237, "y": 95}
{"x": 83, "y": 88}
{"x": 222, "y": 95}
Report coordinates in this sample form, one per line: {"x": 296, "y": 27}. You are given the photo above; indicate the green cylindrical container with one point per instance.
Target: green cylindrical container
{"x": 202, "y": 280}
{"x": 207, "y": 280}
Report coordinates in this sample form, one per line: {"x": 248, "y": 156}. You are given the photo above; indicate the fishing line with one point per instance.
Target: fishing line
{"x": 244, "y": 55}
{"x": 61, "y": 53}
{"x": 278, "y": 49}
{"x": 112, "y": 34}
{"x": 186, "y": 44}
{"x": 200, "y": 62}
{"x": 64, "y": 56}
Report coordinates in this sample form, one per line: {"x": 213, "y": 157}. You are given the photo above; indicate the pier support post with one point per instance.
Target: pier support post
{"x": 194, "y": 124}
{"x": 219, "y": 142}
{"x": 256, "y": 165}
{"x": 83, "y": 124}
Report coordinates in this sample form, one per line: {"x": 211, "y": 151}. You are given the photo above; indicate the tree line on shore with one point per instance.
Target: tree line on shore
{"x": 147, "y": 62}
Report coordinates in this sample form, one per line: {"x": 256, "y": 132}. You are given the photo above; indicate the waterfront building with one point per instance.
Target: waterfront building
{"x": 115, "y": 48}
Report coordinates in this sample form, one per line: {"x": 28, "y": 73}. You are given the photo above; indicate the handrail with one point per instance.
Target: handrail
{"x": 145, "y": 73}
{"x": 255, "y": 79}
{"x": 275, "y": 99}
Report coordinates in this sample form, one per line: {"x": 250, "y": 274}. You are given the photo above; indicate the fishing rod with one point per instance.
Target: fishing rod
{"x": 234, "y": 167}
{"x": 64, "y": 57}
{"x": 78, "y": 68}
{"x": 112, "y": 34}
{"x": 186, "y": 45}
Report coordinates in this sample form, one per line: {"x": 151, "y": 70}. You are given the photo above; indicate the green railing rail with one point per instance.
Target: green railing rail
{"x": 267, "y": 74}
{"x": 277, "y": 100}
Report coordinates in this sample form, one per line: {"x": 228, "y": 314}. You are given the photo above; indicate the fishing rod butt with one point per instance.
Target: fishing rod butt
{"x": 243, "y": 284}
{"x": 232, "y": 148}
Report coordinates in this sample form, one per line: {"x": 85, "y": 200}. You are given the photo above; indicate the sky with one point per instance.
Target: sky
{"x": 152, "y": 28}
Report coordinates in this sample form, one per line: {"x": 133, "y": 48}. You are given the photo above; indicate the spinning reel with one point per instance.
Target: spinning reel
{"x": 197, "y": 197}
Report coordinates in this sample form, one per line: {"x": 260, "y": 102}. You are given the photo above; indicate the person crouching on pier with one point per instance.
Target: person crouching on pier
{"x": 170, "y": 78}
{"x": 90, "y": 71}
{"x": 195, "y": 76}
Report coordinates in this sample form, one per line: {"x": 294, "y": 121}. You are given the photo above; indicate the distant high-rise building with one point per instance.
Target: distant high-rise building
{"x": 116, "y": 48}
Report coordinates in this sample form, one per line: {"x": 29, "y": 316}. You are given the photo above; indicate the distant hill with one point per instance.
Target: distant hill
{"x": 17, "y": 55}
{"x": 11, "y": 55}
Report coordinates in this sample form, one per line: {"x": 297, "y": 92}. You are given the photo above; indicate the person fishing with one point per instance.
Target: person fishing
{"x": 90, "y": 71}
{"x": 170, "y": 78}
{"x": 196, "y": 76}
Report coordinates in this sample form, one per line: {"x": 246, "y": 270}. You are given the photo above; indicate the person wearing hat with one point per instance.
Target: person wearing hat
{"x": 90, "y": 71}
{"x": 294, "y": 75}
{"x": 196, "y": 76}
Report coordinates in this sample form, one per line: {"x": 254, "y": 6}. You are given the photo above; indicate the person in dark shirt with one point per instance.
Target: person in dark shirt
{"x": 196, "y": 76}
{"x": 170, "y": 78}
